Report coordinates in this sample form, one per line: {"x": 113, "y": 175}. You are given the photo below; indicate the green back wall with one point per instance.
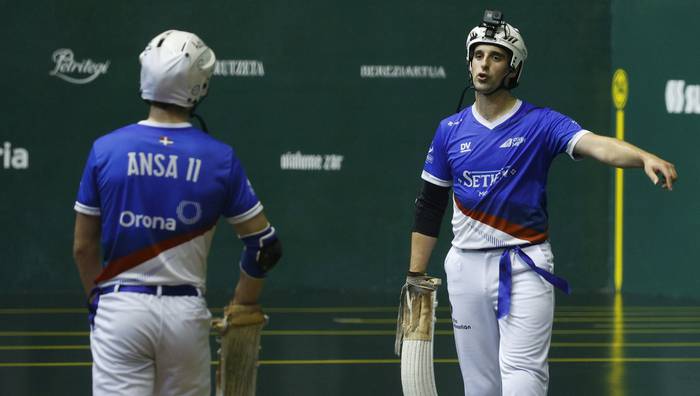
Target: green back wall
{"x": 661, "y": 229}
{"x": 344, "y": 229}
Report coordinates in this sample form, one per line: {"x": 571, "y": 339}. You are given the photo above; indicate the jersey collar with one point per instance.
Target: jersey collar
{"x": 165, "y": 124}
{"x": 498, "y": 121}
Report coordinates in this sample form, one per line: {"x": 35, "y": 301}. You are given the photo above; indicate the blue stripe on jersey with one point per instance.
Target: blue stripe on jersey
{"x": 153, "y": 184}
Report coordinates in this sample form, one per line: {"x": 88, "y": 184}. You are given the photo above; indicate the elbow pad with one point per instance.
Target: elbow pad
{"x": 430, "y": 207}
{"x": 261, "y": 252}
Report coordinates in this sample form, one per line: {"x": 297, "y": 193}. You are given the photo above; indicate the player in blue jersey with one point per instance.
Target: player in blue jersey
{"x": 495, "y": 156}
{"x": 147, "y": 207}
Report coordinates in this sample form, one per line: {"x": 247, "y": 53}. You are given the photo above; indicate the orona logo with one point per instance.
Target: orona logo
{"x": 682, "y": 97}
{"x": 68, "y": 69}
{"x": 188, "y": 212}
{"x": 130, "y": 219}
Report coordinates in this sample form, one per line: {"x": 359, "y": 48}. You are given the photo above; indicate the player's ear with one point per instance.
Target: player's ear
{"x": 512, "y": 77}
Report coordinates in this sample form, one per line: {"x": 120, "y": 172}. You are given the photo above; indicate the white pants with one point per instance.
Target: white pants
{"x": 150, "y": 345}
{"x": 506, "y": 356}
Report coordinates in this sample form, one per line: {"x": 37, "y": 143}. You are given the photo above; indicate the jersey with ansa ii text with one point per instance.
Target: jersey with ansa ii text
{"x": 160, "y": 189}
{"x": 498, "y": 172}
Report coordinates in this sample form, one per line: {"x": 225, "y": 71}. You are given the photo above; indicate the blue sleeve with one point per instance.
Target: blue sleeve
{"x": 560, "y": 132}
{"x": 437, "y": 169}
{"x": 241, "y": 202}
{"x": 88, "y": 200}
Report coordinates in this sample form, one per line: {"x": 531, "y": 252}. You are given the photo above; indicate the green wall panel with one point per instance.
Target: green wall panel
{"x": 342, "y": 230}
{"x": 661, "y": 228}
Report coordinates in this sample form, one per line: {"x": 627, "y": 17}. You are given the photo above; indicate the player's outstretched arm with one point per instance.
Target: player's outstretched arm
{"x": 621, "y": 154}
{"x": 86, "y": 249}
{"x": 261, "y": 253}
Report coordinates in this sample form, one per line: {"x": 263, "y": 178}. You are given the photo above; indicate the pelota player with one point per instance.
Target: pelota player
{"x": 149, "y": 199}
{"x": 495, "y": 156}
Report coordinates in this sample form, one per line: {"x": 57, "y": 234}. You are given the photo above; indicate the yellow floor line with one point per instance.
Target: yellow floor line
{"x": 554, "y": 345}
{"x": 627, "y": 360}
{"x": 328, "y": 332}
{"x": 633, "y": 319}
{"x": 625, "y": 344}
{"x": 44, "y": 333}
{"x": 47, "y": 364}
{"x": 389, "y": 361}
{"x": 450, "y": 332}
{"x": 24, "y": 311}
{"x": 627, "y": 331}
{"x": 42, "y": 347}
{"x": 660, "y": 325}
{"x": 392, "y": 321}
{"x": 626, "y": 314}
{"x": 626, "y": 308}
{"x": 564, "y": 310}
{"x": 341, "y": 332}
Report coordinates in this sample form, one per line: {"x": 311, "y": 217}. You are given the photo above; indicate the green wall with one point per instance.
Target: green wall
{"x": 656, "y": 42}
{"x": 346, "y": 229}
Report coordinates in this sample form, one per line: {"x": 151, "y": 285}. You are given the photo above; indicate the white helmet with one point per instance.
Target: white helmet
{"x": 505, "y": 36}
{"x": 175, "y": 68}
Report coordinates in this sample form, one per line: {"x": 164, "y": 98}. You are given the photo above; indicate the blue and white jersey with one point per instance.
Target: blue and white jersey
{"x": 160, "y": 189}
{"x": 498, "y": 172}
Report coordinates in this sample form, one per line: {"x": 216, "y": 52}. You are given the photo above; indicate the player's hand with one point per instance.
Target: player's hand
{"x": 422, "y": 283}
{"x": 653, "y": 166}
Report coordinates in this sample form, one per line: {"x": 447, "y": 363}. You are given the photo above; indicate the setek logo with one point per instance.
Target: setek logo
{"x": 484, "y": 179}
{"x": 239, "y": 68}
{"x": 68, "y": 69}
{"x": 14, "y": 158}
{"x": 682, "y": 98}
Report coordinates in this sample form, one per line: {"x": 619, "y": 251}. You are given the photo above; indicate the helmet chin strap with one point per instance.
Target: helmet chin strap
{"x": 198, "y": 117}
{"x": 201, "y": 121}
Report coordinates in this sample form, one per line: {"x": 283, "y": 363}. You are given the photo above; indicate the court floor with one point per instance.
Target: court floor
{"x": 600, "y": 346}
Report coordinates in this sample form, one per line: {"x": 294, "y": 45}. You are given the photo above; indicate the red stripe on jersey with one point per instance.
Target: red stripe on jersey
{"x": 499, "y": 223}
{"x": 116, "y": 267}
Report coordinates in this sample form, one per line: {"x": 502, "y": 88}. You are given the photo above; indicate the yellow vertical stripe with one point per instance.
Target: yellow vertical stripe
{"x": 620, "y": 92}
{"x": 619, "y": 204}
{"x": 616, "y": 376}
